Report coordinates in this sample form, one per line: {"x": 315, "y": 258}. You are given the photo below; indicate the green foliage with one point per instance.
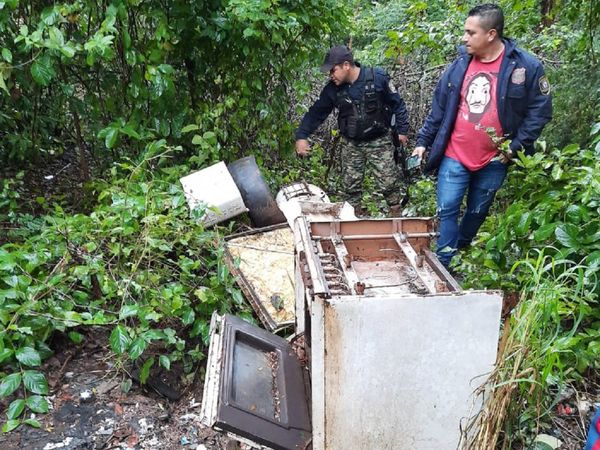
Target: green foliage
{"x": 543, "y": 245}
{"x": 9, "y": 198}
{"x": 131, "y": 73}
{"x": 551, "y": 202}
{"x": 138, "y": 265}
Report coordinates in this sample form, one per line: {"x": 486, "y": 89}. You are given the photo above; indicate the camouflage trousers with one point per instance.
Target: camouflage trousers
{"x": 377, "y": 157}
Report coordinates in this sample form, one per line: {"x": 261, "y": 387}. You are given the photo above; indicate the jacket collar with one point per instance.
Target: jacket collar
{"x": 509, "y": 47}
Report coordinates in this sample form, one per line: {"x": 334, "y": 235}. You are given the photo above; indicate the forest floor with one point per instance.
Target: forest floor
{"x": 90, "y": 411}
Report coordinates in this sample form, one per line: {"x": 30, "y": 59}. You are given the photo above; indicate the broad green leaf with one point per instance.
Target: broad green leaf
{"x": 165, "y": 362}
{"x": 188, "y": 316}
{"x": 10, "y": 425}
{"x": 111, "y": 137}
{"x": 42, "y": 71}
{"x": 15, "y": 409}
{"x": 3, "y": 83}
{"x": 76, "y": 337}
{"x": 544, "y": 232}
{"x": 7, "y": 55}
{"x": 5, "y": 353}
{"x": 37, "y": 404}
{"x": 28, "y": 356}
{"x": 151, "y": 335}
{"x": 129, "y": 131}
{"x": 68, "y": 50}
{"x": 9, "y": 384}
{"x": 128, "y": 311}
{"x": 567, "y": 235}
{"x": 119, "y": 340}
{"x": 188, "y": 128}
{"x": 56, "y": 37}
{"x": 35, "y": 382}
{"x": 33, "y": 423}
{"x": 145, "y": 372}
{"x": 137, "y": 348}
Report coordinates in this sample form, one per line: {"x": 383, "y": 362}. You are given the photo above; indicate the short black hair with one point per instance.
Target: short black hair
{"x": 491, "y": 17}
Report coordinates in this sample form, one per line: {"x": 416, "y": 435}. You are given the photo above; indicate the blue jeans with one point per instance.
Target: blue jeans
{"x": 454, "y": 180}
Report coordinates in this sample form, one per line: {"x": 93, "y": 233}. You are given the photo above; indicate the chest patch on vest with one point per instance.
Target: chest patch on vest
{"x": 518, "y": 76}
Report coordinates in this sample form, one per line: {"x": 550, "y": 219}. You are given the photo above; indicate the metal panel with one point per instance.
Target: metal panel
{"x": 399, "y": 372}
{"x": 262, "y": 394}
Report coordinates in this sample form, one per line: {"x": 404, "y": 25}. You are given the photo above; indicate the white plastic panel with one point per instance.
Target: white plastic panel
{"x": 215, "y": 187}
{"x": 399, "y": 373}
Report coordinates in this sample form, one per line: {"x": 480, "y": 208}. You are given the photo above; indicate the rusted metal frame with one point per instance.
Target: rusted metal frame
{"x": 344, "y": 258}
{"x": 345, "y": 262}
{"x": 429, "y": 280}
{"x": 255, "y": 302}
{"x": 441, "y": 271}
{"x": 277, "y": 226}
{"x": 312, "y": 259}
{"x": 352, "y": 237}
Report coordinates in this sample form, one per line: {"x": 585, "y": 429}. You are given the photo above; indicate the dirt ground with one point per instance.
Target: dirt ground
{"x": 109, "y": 418}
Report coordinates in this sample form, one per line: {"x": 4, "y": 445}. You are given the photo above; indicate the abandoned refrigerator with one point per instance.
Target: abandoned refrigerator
{"x": 386, "y": 353}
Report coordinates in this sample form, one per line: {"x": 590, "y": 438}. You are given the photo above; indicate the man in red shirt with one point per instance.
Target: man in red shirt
{"x": 494, "y": 88}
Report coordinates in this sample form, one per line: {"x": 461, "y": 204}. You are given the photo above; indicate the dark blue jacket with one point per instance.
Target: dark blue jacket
{"x": 319, "y": 111}
{"x": 523, "y": 107}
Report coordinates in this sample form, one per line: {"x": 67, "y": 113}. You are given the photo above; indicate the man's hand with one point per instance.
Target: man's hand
{"x": 505, "y": 157}
{"x": 403, "y": 139}
{"x": 302, "y": 147}
{"x": 419, "y": 151}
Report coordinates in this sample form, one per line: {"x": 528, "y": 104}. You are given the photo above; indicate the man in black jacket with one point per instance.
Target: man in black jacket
{"x": 366, "y": 102}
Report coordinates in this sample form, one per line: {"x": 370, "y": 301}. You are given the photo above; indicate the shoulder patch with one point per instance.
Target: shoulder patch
{"x": 392, "y": 87}
{"x": 518, "y": 76}
{"x": 544, "y": 85}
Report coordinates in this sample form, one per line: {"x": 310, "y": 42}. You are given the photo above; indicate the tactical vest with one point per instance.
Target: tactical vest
{"x": 364, "y": 119}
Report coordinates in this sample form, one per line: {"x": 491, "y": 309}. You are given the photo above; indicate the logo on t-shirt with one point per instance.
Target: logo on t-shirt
{"x": 478, "y": 96}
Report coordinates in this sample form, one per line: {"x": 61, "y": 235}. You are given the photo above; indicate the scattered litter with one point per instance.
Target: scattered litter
{"x": 184, "y": 440}
{"x": 48, "y": 177}
{"x": 565, "y": 394}
{"x": 584, "y": 406}
{"x": 189, "y": 417}
{"x": 194, "y": 403}
{"x": 69, "y": 374}
{"x": 105, "y": 431}
{"x": 86, "y": 396}
{"x": 550, "y": 441}
{"x": 565, "y": 409}
{"x": 145, "y": 426}
{"x": 52, "y": 446}
{"x": 201, "y": 447}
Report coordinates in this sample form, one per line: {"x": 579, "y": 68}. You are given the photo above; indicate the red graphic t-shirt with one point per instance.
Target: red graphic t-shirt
{"x": 469, "y": 142}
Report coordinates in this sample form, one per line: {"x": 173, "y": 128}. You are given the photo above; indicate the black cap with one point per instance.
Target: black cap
{"x": 336, "y": 55}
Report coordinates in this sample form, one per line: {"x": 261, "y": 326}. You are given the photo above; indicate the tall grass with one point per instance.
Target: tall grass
{"x": 552, "y": 331}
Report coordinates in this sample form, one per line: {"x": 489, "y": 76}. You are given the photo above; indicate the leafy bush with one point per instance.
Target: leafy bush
{"x": 122, "y": 74}
{"x": 550, "y": 201}
{"x": 138, "y": 264}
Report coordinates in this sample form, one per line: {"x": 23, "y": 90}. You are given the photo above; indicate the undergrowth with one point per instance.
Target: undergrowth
{"x": 137, "y": 265}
